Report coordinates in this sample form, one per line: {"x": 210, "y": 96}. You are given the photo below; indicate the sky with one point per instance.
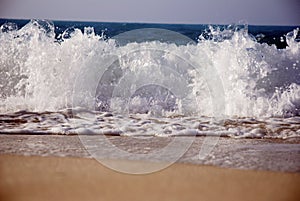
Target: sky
{"x": 256, "y": 12}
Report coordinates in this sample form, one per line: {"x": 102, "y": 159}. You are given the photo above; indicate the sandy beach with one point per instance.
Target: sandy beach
{"x": 56, "y": 167}
{"x": 71, "y": 178}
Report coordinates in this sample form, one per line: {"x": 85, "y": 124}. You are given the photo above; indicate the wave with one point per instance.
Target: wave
{"x": 226, "y": 71}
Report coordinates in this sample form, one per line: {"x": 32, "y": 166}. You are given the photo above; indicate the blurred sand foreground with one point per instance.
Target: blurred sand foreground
{"x": 70, "y": 178}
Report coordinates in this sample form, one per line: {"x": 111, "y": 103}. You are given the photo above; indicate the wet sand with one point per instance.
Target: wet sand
{"x": 249, "y": 154}
{"x": 56, "y": 167}
{"x": 70, "y": 178}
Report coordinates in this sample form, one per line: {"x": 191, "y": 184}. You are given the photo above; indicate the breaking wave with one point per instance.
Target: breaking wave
{"x": 41, "y": 72}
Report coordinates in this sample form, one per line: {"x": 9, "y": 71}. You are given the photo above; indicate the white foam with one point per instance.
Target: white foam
{"x": 145, "y": 125}
{"x": 38, "y": 73}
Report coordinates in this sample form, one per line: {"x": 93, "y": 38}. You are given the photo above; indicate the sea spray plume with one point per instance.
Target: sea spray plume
{"x": 251, "y": 71}
{"x": 38, "y": 70}
{"x": 293, "y": 39}
{"x": 9, "y": 74}
{"x": 8, "y": 27}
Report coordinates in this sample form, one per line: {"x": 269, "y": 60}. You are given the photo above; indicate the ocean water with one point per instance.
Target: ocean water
{"x": 131, "y": 79}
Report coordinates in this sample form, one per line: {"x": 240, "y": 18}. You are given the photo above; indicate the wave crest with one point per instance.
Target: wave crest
{"x": 39, "y": 69}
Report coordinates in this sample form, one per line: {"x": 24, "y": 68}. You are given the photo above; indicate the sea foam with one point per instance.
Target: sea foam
{"x": 44, "y": 72}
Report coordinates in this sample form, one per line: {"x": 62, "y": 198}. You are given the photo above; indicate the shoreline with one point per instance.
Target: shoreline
{"x": 249, "y": 154}
{"x": 71, "y": 178}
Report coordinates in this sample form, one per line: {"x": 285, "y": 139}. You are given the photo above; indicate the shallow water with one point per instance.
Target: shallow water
{"x": 255, "y": 154}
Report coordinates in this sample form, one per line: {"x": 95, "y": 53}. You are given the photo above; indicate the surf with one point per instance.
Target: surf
{"x": 40, "y": 69}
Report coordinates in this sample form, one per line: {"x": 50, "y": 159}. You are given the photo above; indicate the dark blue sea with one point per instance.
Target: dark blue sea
{"x": 264, "y": 34}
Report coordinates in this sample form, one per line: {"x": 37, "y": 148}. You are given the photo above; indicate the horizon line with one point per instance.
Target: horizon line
{"x": 240, "y": 22}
